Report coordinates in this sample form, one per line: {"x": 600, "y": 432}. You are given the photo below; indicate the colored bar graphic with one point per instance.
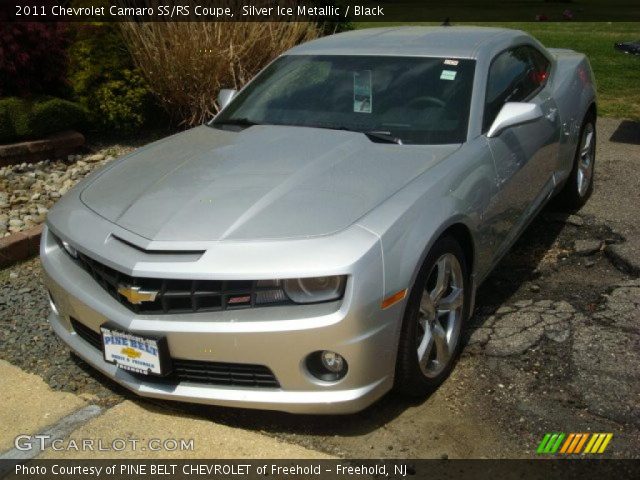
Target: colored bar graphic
{"x": 596, "y": 446}
{"x": 551, "y": 443}
{"x": 567, "y": 443}
{"x": 590, "y": 444}
{"x": 605, "y": 442}
{"x": 582, "y": 442}
{"x": 576, "y": 439}
{"x": 557, "y": 443}
{"x": 543, "y": 443}
{"x": 573, "y": 443}
{"x": 598, "y": 443}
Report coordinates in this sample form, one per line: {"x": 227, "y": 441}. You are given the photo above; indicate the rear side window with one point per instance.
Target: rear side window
{"x": 514, "y": 76}
{"x": 540, "y": 66}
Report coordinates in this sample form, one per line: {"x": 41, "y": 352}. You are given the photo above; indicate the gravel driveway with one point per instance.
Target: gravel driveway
{"x": 554, "y": 345}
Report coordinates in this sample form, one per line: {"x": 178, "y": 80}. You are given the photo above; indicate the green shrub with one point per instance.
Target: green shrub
{"x": 106, "y": 82}
{"x": 56, "y": 115}
{"x": 7, "y": 131}
{"x": 125, "y": 103}
{"x": 28, "y": 119}
{"x": 14, "y": 115}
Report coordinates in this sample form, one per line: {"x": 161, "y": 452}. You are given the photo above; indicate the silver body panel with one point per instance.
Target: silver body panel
{"x": 286, "y": 202}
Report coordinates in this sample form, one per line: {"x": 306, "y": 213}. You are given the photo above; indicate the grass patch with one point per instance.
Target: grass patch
{"x": 617, "y": 74}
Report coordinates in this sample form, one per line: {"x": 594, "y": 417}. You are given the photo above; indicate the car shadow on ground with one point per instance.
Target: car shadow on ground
{"x": 517, "y": 268}
{"x": 627, "y": 132}
{"x": 521, "y": 263}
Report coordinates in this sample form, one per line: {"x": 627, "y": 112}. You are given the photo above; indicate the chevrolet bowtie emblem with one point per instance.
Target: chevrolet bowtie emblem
{"x": 135, "y": 295}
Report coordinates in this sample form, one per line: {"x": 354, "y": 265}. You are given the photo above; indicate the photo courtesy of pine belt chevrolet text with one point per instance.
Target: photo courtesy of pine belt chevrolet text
{"x": 320, "y": 242}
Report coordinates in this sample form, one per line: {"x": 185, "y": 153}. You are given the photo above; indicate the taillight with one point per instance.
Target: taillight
{"x": 584, "y": 76}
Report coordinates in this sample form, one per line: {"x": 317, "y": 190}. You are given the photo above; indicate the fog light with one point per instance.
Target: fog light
{"x": 327, "y": 365}
{"x": 332, "y": 361}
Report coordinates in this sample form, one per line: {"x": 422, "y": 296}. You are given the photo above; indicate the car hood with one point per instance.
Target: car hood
{"x": 263, "y": 182}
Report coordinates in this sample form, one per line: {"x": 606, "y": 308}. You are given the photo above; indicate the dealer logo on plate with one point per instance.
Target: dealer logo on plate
{"x": 130, "y": 352}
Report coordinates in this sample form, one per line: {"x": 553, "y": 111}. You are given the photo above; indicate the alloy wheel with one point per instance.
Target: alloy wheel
{"x": 440, "y": 316}
{"x": 585, "y": 159}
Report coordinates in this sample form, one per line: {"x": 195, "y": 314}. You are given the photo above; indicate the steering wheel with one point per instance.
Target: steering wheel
{"x": 426, "y": 101}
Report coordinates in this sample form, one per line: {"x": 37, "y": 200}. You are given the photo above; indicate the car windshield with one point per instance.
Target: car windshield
{"x": 410, "y": 100}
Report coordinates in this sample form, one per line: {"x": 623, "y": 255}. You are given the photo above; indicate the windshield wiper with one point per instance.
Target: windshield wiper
{"x": 381, "y": 135}
{"x": 384, "y": 136}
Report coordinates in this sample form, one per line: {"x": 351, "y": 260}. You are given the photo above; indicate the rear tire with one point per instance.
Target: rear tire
{"x": 579, "y": 186}
{"x": 437, "y": 309}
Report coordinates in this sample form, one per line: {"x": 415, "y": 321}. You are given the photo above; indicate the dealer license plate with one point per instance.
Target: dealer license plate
{"x": 133, "y": 352}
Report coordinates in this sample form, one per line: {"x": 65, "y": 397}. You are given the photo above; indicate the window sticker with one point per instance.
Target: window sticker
{"x": 362, "y": 101}
{"x": 448, "y": 75}
{"x": 453, "y": 63}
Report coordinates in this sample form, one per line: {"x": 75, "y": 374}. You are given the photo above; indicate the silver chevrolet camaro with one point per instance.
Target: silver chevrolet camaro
{"x": 321, "y": 240}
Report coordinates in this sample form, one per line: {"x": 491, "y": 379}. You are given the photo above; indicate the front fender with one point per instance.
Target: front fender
{"x": 456, "y": 191}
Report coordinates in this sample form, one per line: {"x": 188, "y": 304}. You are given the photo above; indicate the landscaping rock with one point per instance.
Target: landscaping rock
{"x": 587, "y": 247}
{"x": 575, "y": 220}
{"x": 96, "y": 157}
{"x": 29, "y": 190}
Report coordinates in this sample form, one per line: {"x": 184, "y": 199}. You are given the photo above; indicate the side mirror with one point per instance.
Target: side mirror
{"x": 512, "y": 114}
{"x": 225, "y": 96}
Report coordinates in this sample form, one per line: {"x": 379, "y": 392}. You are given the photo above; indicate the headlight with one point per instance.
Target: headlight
{"x": 70, "y": 249}
{"x": 315, "y": 289}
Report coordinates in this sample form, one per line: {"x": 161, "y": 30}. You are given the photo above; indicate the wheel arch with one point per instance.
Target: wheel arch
{"x": 461, "y": 232}
{"x": 592, "y": 109}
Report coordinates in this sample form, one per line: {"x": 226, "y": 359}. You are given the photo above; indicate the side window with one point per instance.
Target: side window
{"x": 513, "y": 76}
{"x": 540, "y": 67}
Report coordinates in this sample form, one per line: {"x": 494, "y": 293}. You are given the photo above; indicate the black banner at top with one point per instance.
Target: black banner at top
{"x": 319, "y": 10}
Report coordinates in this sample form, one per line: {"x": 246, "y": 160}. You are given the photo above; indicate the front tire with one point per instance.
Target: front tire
{"x": 579, "y": 185}
{"x": 438, "y": 307}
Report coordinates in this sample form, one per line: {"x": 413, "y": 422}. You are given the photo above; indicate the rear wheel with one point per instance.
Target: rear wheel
{"x": 579, "y": 185}
{"x": 437, "y": 309}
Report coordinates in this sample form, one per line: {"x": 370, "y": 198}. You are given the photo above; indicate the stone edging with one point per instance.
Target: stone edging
{"x": 58, "y": 145}
{"x": 20, "y": 246}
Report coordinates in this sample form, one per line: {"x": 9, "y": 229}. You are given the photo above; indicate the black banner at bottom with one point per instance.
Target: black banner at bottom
{"x": 320, "y": 469}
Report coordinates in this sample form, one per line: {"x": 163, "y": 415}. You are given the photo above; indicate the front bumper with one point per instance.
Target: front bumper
{"x": 277, "y": 337}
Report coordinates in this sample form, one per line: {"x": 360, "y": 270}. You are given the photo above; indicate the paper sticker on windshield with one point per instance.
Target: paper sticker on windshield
{"x": 453, "y": 63}
{"x": 448, "y": 75}
{"x": 362, "y": 102}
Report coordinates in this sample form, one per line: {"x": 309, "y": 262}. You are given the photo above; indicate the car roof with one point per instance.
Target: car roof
{"x": 456, "y": 42}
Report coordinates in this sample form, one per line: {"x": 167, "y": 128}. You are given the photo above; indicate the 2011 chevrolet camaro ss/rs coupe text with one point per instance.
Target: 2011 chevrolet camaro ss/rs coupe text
{"x": 321, "y": 240}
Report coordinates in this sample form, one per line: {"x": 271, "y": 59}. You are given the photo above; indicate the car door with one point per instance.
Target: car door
{"x": 524, "y": 155}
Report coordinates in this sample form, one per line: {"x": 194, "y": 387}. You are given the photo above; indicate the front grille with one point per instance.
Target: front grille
{"x": 212, "y": 373}
{"x": 183, "y": 296}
